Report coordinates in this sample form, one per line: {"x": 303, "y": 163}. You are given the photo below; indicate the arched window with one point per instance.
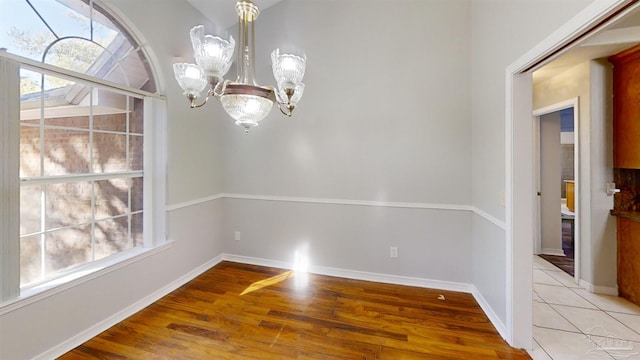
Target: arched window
{"x": 80, "y": 127}
{"x": 76, "y": 35}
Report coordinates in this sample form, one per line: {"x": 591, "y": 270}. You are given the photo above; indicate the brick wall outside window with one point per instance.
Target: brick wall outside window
{"x": 110, "y": 210}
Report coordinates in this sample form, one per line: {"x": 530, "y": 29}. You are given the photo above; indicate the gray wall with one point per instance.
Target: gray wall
{"x": 503, "y": 30}
{"x": 385, "y": 114}
{"x": 373, "y": 125}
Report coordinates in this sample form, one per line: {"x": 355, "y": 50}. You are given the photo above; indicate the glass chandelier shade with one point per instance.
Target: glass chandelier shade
{"x": 191, "y": 79}
{"x": 243, "y": 99}
{"x": 213, "y": 54}
{"x": 288, "y": 69}
{"x": 247, "y": 110}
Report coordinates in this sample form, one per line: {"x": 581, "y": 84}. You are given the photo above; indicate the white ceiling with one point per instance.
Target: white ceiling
{"x": 223, "y": 12}
{"x": 614, "y": 38}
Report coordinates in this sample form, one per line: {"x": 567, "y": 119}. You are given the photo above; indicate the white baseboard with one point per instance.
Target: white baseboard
{"x": 551, "y": 251}
{"x": 596, "y": 289}
{"x": 488, "y": 310}
{"x": 93, "y": 331}
{"x": 358, "y": 275}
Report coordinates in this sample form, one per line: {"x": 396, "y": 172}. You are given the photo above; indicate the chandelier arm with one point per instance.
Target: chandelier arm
{"x": 220, "y": 88}
{"x": 193, "y": 99}
{"x": 289, "y": 108}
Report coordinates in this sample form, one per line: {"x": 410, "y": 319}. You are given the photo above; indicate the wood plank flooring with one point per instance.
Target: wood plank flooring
{"x": 239, "y": 311}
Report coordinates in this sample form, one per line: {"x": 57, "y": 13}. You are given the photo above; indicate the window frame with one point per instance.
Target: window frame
{"x": 153, "y": 173}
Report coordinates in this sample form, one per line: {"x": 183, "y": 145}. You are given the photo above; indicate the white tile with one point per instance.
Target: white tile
{"x": 596, "y": 322}
{"x": 624, "y": 350}
{"x": 561, "y": 295}
{"x": 615, "y": 348}
{"x": 541, "y": 277}
{"x": 632, "y": 321}
{"x": 545, "y": 316}
{"x": 538, "y": 353}
{"x": 543, "y": 264}
{"x": 563, "y": 345}
{"x": 566, "y": 279}
{"x": 609, "y": 303}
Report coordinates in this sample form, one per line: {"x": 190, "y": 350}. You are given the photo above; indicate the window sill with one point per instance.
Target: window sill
{"x": 58, "y": 285}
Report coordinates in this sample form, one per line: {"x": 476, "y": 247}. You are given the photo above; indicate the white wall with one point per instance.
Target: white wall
{"x": 503, "y": 30}
{"x": 384, "y": 117}
{"x": 194, "y": 168}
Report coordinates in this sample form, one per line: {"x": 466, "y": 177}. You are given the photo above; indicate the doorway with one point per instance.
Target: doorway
{"x": 520, "y": 202}
{"x": 556, "y": 162}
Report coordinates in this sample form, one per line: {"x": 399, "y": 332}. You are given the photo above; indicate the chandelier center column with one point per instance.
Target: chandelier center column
{"x": 247, "y": 14}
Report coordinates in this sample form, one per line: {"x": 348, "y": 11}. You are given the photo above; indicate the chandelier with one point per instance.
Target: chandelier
{"x": 243, "y": 99}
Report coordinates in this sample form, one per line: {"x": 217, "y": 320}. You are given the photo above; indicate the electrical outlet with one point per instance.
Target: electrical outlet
{"x": 393, "y": 252}
{"x": 237, "y": 236}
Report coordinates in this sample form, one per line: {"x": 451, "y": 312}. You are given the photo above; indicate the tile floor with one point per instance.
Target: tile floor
{"x": 572, "y": 323}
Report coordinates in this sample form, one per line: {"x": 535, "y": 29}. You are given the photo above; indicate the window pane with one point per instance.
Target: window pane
{"x": 63, "y": 101}
{"x": 66, "y": 152}
{"x": 100, "y": 48}
{"x": 111, "y": 236}
{"x": 110, "y": 111}
{"x": 113, "y": 122}
{"x": 67, "y": 204}
{"x": 136, "y": 117}
{"x": 104, "y": 30}
{"x": 136, "y": 194}
{"x": 112, "y": 198}
{"x": 29, "y": 151}
{"x": 136, "y": 152}
{"x": 30, "y": 259}
{"x": 136, "y": 229}
{"x": 30, "y": 208}
{"x": 109, "y": 152}
{"x": 62, "y": 19}
{"x": 79, "y": 55}
{"x": 68, "y": 247}
{"x": 70, "y": 121}
{"x": 30, "y": 96}
{"x": 21, "y": 31}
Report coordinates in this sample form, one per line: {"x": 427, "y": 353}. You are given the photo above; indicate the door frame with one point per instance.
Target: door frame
{"x": 574, "y": 104}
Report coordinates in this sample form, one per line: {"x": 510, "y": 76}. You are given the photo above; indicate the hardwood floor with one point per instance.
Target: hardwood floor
{"x": 561, "y": 262}
{"x": 239, "y": 311}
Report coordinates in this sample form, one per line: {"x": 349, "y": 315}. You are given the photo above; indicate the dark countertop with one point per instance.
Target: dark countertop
{"x": 629, "y": 215}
